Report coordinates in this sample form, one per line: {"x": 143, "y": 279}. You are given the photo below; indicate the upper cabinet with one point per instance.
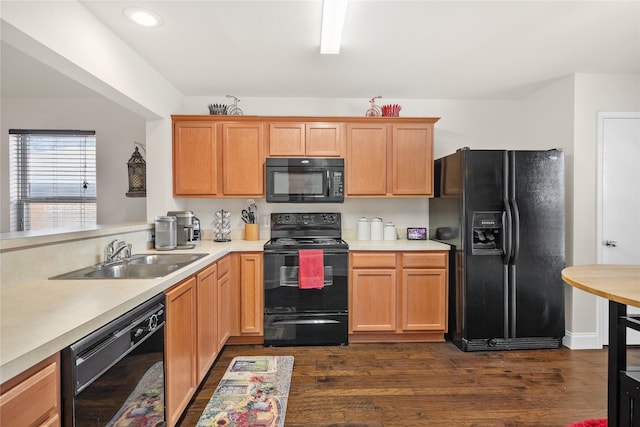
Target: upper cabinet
{"x": 218, "y": 159}
{"x": 195, "y": 159}
{"x": 243, "y": 159}
{"x": 389, "y": 159}
{"x": 313, "y": 139}
{"x": 224, "y": 156}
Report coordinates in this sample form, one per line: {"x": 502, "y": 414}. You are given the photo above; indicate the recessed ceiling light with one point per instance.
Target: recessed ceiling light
{"x": 143, "y": 17}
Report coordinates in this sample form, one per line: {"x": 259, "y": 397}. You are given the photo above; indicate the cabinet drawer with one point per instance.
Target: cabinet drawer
{"x": 373, "y": 260}
{"x": 224, "y": 265}
{"x": 424, "y": 260}
{"x": 39, "y": 392}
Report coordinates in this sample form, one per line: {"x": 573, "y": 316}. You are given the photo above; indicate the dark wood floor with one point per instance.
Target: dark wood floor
{"x": 432, "y": 385}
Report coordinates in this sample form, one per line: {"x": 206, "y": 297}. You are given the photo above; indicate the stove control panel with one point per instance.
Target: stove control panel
{"x": 305, "y": 219}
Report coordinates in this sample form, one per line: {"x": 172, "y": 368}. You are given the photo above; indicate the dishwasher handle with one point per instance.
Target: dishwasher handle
{"x": 95, "y": 354}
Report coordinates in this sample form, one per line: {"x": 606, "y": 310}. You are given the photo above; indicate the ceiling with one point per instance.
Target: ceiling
{"x": 398, "y": 49}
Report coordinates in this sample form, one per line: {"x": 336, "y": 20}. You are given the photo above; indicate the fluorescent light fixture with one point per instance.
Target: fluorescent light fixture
{"x": 143, "y": 17}
{"x": 333, "y": 14}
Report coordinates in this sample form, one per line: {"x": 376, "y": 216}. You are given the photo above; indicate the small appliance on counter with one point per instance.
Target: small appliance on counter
{"x": 184, "y": 228}
{"x": 165, "y": 239}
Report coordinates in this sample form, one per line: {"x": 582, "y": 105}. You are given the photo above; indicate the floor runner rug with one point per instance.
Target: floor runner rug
{"x": 252, "y": 393}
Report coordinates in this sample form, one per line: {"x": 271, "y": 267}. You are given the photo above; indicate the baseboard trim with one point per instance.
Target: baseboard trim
{"x": 581, "y": 340}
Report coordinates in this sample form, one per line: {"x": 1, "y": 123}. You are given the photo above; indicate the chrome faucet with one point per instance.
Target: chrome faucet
{"x": 117, "y": 250}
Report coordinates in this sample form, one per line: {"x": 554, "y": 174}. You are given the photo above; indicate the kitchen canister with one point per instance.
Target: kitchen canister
{"x": 363, "y": 229}
{"x": 166, "y": 233}
{"x": 390, "y": 232}
{"x": 377, "y": 229}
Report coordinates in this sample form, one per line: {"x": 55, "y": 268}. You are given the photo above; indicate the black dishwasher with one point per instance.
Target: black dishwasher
{"x": 115, "y": 375}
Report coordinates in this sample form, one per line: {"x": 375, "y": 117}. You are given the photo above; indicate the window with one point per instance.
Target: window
{"x": 53, "y": 179}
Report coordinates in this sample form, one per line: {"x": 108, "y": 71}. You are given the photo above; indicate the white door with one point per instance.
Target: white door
{"x": 619, "y": 201}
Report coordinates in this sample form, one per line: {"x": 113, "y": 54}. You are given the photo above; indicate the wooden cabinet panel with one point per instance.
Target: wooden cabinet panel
{"x": 207, "y": 343}
{"x": 243, "y": 159}
{"x": 180, "y": 348}
{"x": 33, "y": 398}
{"x": 373, "y": 300}
{"x": 366, "y": 160}
{"x": 286, "y": 139}
{"x": 424, "y": 259}
{"x": 195, "y": 159}
{"x": 373, "y": 259}
{"x": 251, "y": 294}
{"x": 412, "y": 159}
{"x": 314, "y": 139}
{"x": 423, "y": 300}
{"x": 223, "y": 312}
{"x": 323, "y": 139}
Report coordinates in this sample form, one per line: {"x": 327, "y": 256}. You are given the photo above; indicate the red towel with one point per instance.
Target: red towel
{"x": 311, "y": 269}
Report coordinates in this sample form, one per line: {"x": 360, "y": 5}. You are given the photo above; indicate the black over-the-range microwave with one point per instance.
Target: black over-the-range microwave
{"x": 304, "y": 180}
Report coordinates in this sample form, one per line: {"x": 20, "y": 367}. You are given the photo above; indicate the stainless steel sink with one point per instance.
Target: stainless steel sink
{"x": 141, "y": 266}
{"x": 162, "y": 259}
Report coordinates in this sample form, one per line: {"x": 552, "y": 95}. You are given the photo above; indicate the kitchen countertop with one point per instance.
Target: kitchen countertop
{"x": 40, "y": 318}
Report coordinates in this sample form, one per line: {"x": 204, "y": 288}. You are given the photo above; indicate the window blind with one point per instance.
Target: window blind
{"x": 53, "y": 179}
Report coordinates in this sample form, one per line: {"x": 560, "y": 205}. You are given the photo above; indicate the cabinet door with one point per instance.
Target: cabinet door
{"x": 412, "y": 159}
{"x": 33, "y": 397}
{"x": 243, "y": 159}
{"x": 323, "y": 139}
{"x": 223, "y": 314}
{"x": 195, "y": 159}
{"x": 424, "y": 299}
{"x": 366, "y": 158}
{"x": 251, "y": 294}
{"x": 180, "y": 348}
{"x": 207, "y": 345}
{"x": 286, "y": 139}
{"x": 223, "y": 303}
{"x": 373, "y": 301}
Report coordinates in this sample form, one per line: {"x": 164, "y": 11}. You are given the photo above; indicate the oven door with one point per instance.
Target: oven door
{"x": 306, "y": 329}
{"x": 281, "y": 291}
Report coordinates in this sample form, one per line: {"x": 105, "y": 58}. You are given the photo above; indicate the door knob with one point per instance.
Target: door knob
{"x": 611, "y": 243}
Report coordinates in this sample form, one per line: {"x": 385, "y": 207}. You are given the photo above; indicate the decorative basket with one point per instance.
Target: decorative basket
{"x": 391, "y": 110}
{"x": 218, "y": 109}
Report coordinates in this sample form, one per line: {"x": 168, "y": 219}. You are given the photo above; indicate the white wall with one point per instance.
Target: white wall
{"x": 564, "y": 113}
{"x": 116, "y": 130}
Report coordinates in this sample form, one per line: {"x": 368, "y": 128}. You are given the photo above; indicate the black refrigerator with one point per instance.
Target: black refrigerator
{"x": 503, "y": 213}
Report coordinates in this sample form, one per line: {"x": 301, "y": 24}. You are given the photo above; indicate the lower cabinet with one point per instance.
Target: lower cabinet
{"x": 33, "y": 397}
{"x": 247, "y": 297}
{"x": 180, "y": 348}
{"x": 197, "y": 327}
{"x": 398, "y": 296}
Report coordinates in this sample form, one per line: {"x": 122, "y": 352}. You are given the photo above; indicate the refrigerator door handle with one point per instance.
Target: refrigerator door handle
{"x": 506, "y": 235}
{"x": 515, "y": 231}
{"x": 515, "y": 225}
{"x": 506, "y": 216}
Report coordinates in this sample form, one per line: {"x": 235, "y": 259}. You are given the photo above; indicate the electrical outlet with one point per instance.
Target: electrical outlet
{"x": 266, "y": 221}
